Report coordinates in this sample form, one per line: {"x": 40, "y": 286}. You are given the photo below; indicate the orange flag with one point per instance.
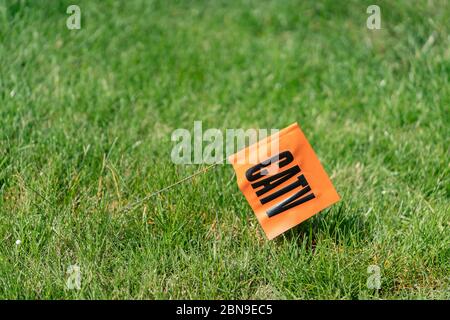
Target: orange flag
{"x": 288, "y": 186}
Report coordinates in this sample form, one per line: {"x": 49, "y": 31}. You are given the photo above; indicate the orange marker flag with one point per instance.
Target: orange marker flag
{"x": 288, "y": 186}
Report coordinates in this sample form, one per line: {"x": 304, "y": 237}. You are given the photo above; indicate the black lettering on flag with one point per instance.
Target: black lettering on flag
{"x": 255, "y": 173}
{"x": 275, "y": 180}
{"x": 301, "y": 182}
{"x": 291, "y": 202}
{"x": 269, "y": 183}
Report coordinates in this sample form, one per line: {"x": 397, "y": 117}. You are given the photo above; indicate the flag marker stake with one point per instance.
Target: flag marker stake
{"x": 132, "y": 206}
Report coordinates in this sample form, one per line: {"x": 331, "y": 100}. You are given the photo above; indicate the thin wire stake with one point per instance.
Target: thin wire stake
{"x": 129, "y": 207}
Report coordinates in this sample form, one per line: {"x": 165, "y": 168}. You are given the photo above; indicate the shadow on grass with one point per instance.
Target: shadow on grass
{"x": 340, "y": 224}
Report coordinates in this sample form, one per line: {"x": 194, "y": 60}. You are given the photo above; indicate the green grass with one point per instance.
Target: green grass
{"x": 86, "y": 118}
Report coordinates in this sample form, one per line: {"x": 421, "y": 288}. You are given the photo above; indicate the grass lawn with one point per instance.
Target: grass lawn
{"x": 86, "y": 118}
